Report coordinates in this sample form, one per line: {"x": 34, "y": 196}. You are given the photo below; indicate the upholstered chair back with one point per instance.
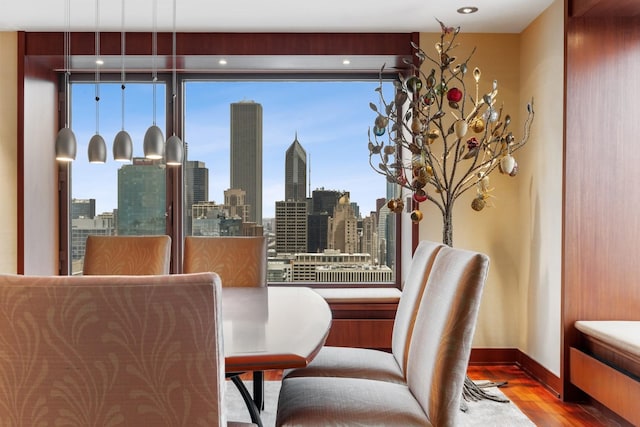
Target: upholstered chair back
{"x": 239, "y": 261}
{"x": 443, "y": 332}
{"x": 412, "y": 290}
{"x": 111, "y": 351}
{"x": 127, "y": 255}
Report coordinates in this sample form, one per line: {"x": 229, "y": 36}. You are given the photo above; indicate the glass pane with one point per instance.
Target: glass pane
{"x": 115, "y": 197}
{"x": 289, "y": 159}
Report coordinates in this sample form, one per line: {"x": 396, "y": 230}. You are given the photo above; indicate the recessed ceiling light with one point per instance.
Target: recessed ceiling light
{"x": 99, "y": 62}
{"x": 222, "y": 61}
{"x": 346, "y": 62}
{"x": 467, "y": 10}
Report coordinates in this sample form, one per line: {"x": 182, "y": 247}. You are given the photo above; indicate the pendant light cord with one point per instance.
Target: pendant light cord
{"x": 174, "y": 82}
{"x": 67, "y": 65}
{"x": 97, "y": 67}
{"x": 154, "y": 48}
{"x": 122, "y": 73}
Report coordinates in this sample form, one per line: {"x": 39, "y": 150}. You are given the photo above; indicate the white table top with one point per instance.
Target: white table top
{"x": 272, "y": 327}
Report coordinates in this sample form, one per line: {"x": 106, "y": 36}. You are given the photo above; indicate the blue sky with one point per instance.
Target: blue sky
{"x": 331, "y": 120}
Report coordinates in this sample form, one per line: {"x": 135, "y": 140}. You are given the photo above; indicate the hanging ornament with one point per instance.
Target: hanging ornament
{"x": 478, "y": 203}
{"x": 420, "y": 196}
{"x": 461, "y": 128}
{"x": 507, "y": 163}
{"x": 454, "y": 95}
{"x": 477, "y": 125}
{"x": 414, "y": 84}
{"x": 416, "y": 216}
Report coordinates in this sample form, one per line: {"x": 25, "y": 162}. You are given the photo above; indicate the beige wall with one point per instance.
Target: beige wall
{"x": 8, "y": 150}
{"x": 521, "y": 232}
{"x": 540, "y": 190}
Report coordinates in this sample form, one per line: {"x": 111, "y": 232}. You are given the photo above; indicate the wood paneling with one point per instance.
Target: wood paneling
{"x": 602, "y": 198}
{"x": 602, "y": 8}
{"x": 612, "y": 388}
{"x": 367, "y": 333}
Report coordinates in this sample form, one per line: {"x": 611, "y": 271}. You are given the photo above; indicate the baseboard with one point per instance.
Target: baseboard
{"x": 513, "y": 356}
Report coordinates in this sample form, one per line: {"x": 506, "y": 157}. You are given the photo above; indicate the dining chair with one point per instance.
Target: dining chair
{"x": 112, "y": 350}
{"x": 127, "y": 255}
{"x": 240, "y": 262}
{"x": 354, "y": 362}
{"x": 436, "y": 362}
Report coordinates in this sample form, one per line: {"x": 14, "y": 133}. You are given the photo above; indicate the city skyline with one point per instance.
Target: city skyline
{"x": 330, "y": 119}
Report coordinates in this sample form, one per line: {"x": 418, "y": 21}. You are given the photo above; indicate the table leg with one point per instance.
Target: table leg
{"x": 251, "y": 405}
{"x": 258, "y": 389}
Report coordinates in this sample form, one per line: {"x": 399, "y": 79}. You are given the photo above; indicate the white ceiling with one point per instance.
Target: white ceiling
{"x": 498, "y": 16}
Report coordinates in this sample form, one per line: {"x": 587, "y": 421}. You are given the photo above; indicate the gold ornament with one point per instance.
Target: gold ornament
{"x": 416, "y": 216}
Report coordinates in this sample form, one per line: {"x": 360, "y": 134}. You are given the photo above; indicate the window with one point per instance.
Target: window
{"x": 287, "y": 158}
{"x": 115, "y": 198}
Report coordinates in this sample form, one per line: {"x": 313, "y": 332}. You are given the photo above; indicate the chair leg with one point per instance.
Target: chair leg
{"x": 258, "y": 389}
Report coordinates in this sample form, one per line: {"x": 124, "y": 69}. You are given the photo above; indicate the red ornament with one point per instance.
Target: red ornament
{"x": 454, "y": 94}
{"x": 420, "y": 195}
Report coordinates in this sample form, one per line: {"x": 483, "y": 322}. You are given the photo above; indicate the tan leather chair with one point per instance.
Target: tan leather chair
{"x": 436, "y": 363}
{"x": 240, "y": 262}
{"x": 377, "y": 364}
{"x": 105, "y": 350}
{"x": 127, "y": 255}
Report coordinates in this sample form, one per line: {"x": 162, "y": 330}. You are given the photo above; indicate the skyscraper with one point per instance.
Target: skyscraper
{"x": 295, "y": 181}
{"x": 196, "y": 178}
{"x": 246, "y": 154}
{"x": 142, "y": 198}
{"x": 291, "y": 226}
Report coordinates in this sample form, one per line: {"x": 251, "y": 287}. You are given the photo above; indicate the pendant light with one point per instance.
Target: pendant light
{"x": 66, "y": 140}
{"x": 97, "y": 147}
{"x": 174, "y": 150}
{"x": 153, "y": 138}
{"x": 122, "y": 144}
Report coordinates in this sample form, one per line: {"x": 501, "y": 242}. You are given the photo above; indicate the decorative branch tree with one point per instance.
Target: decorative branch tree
{"x": 456, "y": 139}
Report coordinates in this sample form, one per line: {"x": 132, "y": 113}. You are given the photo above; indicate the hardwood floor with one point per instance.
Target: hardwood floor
{"x": 537, "y": 402}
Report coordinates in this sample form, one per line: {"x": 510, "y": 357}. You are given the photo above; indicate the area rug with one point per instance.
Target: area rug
{"x": 484, "y": 413}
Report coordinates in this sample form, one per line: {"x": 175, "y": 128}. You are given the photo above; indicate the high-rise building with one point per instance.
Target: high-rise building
{"x": 322, "y": 204}
{"x": 291, "y": 226}
{"x": 295, "y": 181}
{"x": 235, "y": 203}
{"x": 196, "y": 177}
{"x": 323, "y": 201}
{"x": 246, "y": 154}
{"x": 83, "y": 208}
{"x": 141, "y": 198}
{"x": 343, "y": 227}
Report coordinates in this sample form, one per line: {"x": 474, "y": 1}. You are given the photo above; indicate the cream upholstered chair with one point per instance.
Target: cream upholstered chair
{"x": 127, "y": 255}
{"x": 436, "y": 364}
{"x": 107, "y": 350}
{"x": 377, "y": 364}
{"x": 240, "y": 262}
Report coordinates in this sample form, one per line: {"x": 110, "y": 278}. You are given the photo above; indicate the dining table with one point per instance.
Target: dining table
{"x": 270, "y": 328}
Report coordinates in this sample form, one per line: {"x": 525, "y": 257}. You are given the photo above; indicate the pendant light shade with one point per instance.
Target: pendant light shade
{"x": 97, "y": 149}
{"x": 66, "y": 145}
{"x": 122, "y": 147}
{"x": 153, "y": 143}
{"x": 174, "y": 151}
